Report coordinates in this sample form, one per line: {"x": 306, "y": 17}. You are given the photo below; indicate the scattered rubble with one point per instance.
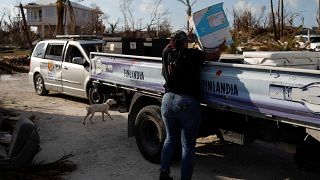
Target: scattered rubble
{"x": 14, "y": 64}
{"x": 35, "y": 170}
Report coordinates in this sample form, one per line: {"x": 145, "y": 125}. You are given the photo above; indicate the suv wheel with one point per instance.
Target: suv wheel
{"x": 39, "y": 85}
{"x": 96, "y": 97}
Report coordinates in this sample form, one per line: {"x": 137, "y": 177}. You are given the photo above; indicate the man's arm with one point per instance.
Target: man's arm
{"x": 214, "y": 55}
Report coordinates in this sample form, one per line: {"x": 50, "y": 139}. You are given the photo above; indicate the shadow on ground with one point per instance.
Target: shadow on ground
{"x": 259, "y": 160}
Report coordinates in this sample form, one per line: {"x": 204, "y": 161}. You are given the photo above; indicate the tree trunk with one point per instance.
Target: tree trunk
{"x": 60, "y": 15}
{"x": 319, "y": 15}
{"x": 282, "y": 19}
{"x": 279, "y": 20}
{"x": 189, "y": 13}
{"x": 25, "y": 27}
{"x": 274, "y": 22}
{"x": 72, "y": 23}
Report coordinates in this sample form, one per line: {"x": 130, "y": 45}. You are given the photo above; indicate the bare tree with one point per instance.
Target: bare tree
{"x": 95, "y": 24}
{"x": 11, "y": 30}
{"x": 156, "y": 17}
{"x": 189, "y": 10}
{"x": 164, "y": 30}
{"x": 246, "y": 22}
{"x": 2, "y": 19}
{"x": 113, "y": 26}
{"x": 278, "y": 20}
{"x": 126, "y": 10}
{"x": 262, "y": 10}
{"x": 282, "y": 19}
{"x": 273, "y": 21}
{"x": 291, "y": 17}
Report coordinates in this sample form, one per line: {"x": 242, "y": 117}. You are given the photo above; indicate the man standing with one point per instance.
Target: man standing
{"x": 180, "y": 110}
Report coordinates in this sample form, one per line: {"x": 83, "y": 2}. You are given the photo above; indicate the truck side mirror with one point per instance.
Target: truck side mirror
{"x": 78, "y": 60}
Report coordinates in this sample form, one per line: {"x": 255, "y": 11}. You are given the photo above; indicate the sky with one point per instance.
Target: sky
{"x": 303, "y": 9}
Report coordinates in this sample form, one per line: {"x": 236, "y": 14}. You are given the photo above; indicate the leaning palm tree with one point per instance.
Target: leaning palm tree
{"x": 72, "y": 22}
{"x": 60, "y": 14}
{"x": 189, "y": 9}
{"x": 61, "y": 7}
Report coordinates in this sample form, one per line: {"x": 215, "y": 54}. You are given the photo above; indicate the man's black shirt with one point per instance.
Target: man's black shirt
{"x": 181, "y": 71}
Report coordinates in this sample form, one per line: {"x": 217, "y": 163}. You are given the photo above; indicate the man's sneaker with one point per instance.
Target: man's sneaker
{"x": 164, "y": 176}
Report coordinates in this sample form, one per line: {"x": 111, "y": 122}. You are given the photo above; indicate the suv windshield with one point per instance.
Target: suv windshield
{"x": 91, "y": 48}
{"x": 314, "y": 39}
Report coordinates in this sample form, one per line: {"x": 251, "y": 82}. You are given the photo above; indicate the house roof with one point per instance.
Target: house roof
{"x": 53, "y": 3}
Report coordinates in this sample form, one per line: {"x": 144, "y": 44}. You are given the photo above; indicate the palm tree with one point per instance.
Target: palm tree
{"x": 60, "y": 14}
{"x": 72, "y": 22}
{"x": 189, "y": 9}
{"x": 60, "y": 5}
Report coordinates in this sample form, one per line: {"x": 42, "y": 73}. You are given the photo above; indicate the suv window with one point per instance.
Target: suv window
{"x": 54, "y": 52}
{"x": 91, "y": 48}
{"x": 315, "y": 39}
{"x": 72, "y": 52}
{"x": 38, "y": 51}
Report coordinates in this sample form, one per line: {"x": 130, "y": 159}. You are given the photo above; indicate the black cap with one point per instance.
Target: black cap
{"x": 179, "y": 37}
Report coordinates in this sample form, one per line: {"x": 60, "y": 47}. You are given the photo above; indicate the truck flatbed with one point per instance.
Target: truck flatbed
{"x": 270, "y": 95}
{"x": 283, "y": 93}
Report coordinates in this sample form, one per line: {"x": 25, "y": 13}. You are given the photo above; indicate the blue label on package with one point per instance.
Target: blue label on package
{"x": 213, "y": 20}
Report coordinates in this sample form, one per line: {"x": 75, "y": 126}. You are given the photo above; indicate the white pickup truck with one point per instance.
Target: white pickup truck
{"x": 273, "y": 95}
{"x": 62, "y": 65}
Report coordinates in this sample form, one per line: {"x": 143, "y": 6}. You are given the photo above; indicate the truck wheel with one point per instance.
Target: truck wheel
{"x": 96, "y": 97}
{"x": 150, "y": 133}
{"x": 39, "y": 85}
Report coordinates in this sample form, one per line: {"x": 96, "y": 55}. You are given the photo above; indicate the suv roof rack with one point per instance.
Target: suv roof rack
{"x": 78, "y": 37}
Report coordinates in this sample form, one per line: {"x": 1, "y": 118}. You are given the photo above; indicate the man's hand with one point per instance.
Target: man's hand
{"x": 215, "y": 54}
{"x": 222, "y": 46}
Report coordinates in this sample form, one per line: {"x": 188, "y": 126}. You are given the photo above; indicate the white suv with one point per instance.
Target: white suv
{"x": 62, "y": 65}
{"x": 304, "y": 43}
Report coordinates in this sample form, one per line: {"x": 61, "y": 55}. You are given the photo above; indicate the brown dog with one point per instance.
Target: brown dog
{"x": 104, "y": 108}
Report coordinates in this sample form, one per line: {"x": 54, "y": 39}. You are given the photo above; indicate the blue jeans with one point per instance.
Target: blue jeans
{"x": 180, "y": 113}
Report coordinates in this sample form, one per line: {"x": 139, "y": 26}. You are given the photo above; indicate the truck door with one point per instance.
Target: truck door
{"x": 50, "y": 67}
{"x": 74, "y": 72}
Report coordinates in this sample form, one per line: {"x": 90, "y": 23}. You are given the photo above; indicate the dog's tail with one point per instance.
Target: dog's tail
{"x": 87, "y": 108}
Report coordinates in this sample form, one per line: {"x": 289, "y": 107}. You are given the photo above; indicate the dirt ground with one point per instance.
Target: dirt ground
{"x": 103, "y": 151}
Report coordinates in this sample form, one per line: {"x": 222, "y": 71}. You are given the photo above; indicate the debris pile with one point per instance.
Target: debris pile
{"x": 14, "y": 64}
{"x": 9, "y": 119}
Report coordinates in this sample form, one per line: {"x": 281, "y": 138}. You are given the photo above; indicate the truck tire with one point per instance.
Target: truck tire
{"x": 150, "y": 133}
{"x": 39, "y": 85}
{"x": 96, "y": 97}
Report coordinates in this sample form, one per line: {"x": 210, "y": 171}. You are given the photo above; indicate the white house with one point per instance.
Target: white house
{"x": 43, "y": 15}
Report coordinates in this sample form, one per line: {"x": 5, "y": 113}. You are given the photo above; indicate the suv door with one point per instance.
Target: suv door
{"x": 73, "y": 72}
{"x": 50, "y": 67}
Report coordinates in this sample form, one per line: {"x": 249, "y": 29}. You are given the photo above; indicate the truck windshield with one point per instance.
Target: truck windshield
{"x": 91, "y": 48}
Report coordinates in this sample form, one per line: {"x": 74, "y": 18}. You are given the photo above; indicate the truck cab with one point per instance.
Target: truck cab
{"x": 62, "y": 65}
